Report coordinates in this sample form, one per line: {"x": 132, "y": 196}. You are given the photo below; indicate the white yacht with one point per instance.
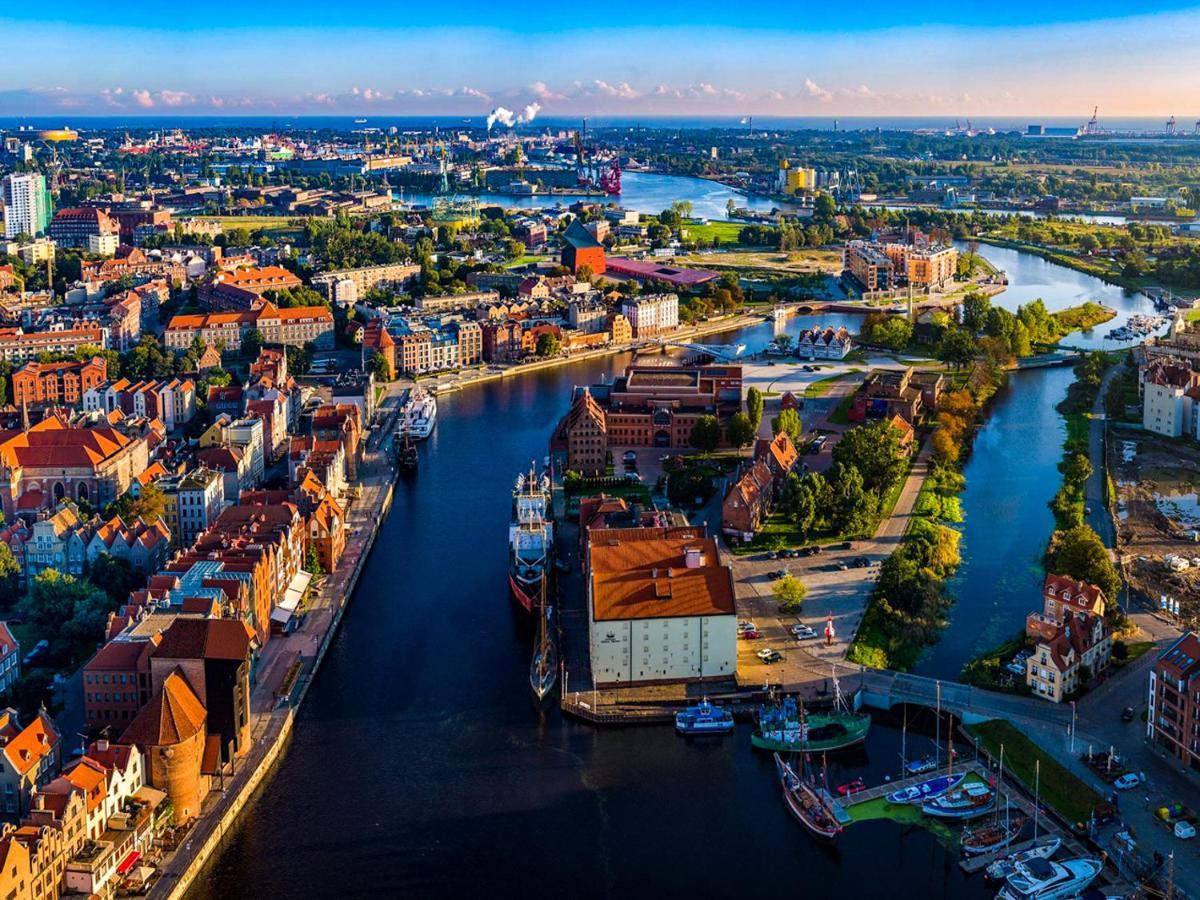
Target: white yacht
{"x": 420, "y": 414}
{"x": 1041, "y": 879}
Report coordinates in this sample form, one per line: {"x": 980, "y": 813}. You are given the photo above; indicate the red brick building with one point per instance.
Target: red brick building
{"x": 580, "y": 248}
{"x": 57, "y": 384}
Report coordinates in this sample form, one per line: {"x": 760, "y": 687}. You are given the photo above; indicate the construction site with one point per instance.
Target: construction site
{"x": 1156, "y": 482}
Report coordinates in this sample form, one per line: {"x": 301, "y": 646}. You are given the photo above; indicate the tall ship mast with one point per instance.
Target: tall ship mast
{"x": 530, "y": 539}
{"x": 543, "y": 668}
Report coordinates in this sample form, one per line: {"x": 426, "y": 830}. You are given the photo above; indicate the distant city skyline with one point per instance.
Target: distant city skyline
{"x": 1024, "y": 59}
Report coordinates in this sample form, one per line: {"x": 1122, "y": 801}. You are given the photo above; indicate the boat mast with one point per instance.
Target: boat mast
{"x": 999, "y": 785}
{"x": 937, "y": 740}
{"x": 1037, "y": 784}
{"x": 904, "y": 744}
{"x": 950, "y": 746}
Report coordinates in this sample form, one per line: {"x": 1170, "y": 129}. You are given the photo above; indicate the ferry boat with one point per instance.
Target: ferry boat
{"x": 1002, "y": 868}
{"x": 530, "y": 539}
{"x": 420, "y": 414}
{"x": 785, "y": 727}
{"x": 1041, "y": 879}
{"x": 930, "y": 789}
{"x": 806, "y": 804}
{"x": 967, "y": 802}
{"x": 704, "y": 718}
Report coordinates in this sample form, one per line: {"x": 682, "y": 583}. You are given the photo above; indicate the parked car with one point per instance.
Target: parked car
{"x": 746, "y": 625}
{"x": 779, "y": 573}
{"x": 769, "y": 656}
{"x": 750, "y": 634}
{"x": 1127, "y": 714}
{"x": 774, "y": 554}
{"x": 38, "y": 651}
{"x": 846, "y": 545}
{"x": 1185, "y": 831}
{"x": 803, "y": 632}
{"x": 840, "y": 565}
{"x": 1129, "y": 781}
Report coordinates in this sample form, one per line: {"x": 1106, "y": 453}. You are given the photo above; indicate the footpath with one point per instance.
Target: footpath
{"x": 286, "y": 668}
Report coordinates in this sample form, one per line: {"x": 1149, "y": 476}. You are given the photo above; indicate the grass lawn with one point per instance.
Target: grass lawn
{"x": 727, "y": 232}
{"x": 905, "y": 814}
{"x": 1134, "y": 650}
{"x": 841, "y": 412}
{"x": 258, "y": 223}
{"x": 893, "y": 495}
{"x": 825, "y": 385}
{"x": 1060, "y": 789}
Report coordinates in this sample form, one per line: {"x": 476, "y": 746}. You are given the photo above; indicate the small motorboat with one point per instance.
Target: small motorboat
{"x": 920, "y": 766}
{"x": 986, "y": 838}
{"x": 1002, "y": 868}
{"x": 967, "y": 802}
{"x": 926, "y": 790}
{"x": 704, "y": 718}
{"x": 851, "y": 787}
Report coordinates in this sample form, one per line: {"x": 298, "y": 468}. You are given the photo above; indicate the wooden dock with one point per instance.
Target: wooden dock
{"x": 888, "y": 787}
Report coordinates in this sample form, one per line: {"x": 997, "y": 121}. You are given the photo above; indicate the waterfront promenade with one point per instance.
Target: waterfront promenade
{"x": 287, "y": 666}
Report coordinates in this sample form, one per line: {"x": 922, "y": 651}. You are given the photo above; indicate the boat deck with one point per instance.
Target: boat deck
{"x": 889, "y": 787}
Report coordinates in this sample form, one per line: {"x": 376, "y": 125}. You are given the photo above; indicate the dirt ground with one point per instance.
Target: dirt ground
{"x": 1156, "y": 483}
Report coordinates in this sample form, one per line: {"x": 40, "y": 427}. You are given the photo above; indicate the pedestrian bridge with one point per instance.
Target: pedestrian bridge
{"x": 724, "y": 352}
{"x": 883, "y": 689}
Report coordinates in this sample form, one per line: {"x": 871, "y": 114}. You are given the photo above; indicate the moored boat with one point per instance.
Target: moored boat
{"x": 407, "y": 457}
{"x": 704, "y": 718}
{"x": 966, "y": 802}
{"x": 806, "y": 804}
{"x": 530, "y": 539}
{"x": 986, "y": 838}
{"x": 1042, "y": 879}
{"x": 1002, "y": 868}
{"x": 786, "y": 727}
{"x": 543, "y": 668}
{"x": 920, "y": 766}
{"x": 926, "y": 790}
{"x": 420, "y": 414}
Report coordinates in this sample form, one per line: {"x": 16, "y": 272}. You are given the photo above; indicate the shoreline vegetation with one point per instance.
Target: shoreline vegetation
{"x": 909, "y": 605}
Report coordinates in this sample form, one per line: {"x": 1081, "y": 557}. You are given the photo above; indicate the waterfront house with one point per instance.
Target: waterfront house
{"x": 824, "y": 343}
{"x": 747, "y": 501}
{"x": 1061, "y": 594}
{"x": 1067, "y": 652}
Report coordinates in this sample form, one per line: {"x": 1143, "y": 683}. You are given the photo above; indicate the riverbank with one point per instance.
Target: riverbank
{"x": 273, "y": 709}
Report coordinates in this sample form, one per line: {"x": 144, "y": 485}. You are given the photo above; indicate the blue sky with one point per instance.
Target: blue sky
{"x": 960, "y": 59}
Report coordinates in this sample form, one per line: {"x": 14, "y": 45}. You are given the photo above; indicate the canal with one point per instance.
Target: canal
{"x": 420, "y": 767}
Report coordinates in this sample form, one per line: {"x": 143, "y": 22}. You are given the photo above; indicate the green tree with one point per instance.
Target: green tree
{"x": 312, "y": 561}
{"x": 1079, "y": 553}
{"x": 854, "y": 506}
{"x": 380, "y": 369}
{"x": 706, "y": 434}
{"x": 252, "y": 343}
{"x": 788, "y": 421}
{"x": 741, "y": 430}
{"x": 975, "y": 308}
{"x": 874, "y": 450}
{"x": 754, "y": 406}
{"x": 1021, "y": 344}
{"x": 957, "y": 347}
{"x": 790, "y": 593}
{"x": 548, "y": 345}
{"x": 9, "y": 572}
{"x": 115, "y": 576}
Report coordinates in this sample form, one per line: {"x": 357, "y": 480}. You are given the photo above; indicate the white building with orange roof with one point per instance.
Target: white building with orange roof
{"x": 660, "y": 606}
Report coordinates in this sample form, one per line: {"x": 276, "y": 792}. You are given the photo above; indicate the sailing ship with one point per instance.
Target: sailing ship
{"x": 929, "y": 789}
{"x": 420, "y": 414}
{"x": 530, "y": 538}
{"x": 967, "y": 802}
{"x": 704, "y": 718}
{"x": 785, "y": 726}
{"x": 1041, "y": 879}
{"x": 806, "y": 804}
{"x": 1002, "y": 868}
{"x": 543, "y": 668}
{"x": 986, "y": 838}
{"x": 407, "y": 457}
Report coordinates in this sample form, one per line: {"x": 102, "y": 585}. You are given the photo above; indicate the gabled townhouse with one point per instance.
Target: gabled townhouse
{"x": 1067, "y": 652}
{"x": 29, "y": 758}
{"x": 60, "y": 542}
{"x": 747, "y": 501}
{"x": 145, "y": 547}
{"x": 824, "y": 343}
{"x": 10, "y": 659}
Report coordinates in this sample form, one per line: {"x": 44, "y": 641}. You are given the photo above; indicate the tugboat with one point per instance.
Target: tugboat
{"x": 530, "y": 539}
{"x": 704, "y": 718}
{"x": 543, "y": 668}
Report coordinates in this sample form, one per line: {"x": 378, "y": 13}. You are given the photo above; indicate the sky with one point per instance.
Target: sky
{"x": 1020, "y": 57}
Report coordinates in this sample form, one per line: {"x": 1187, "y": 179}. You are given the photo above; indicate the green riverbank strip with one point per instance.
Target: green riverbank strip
{"x": 1059, "y": 788}
{"x": 905, "y": 814}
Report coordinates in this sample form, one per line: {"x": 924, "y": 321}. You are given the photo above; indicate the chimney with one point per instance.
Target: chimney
{"x": 692, "y": 557}
{"x": 102, "y": 745}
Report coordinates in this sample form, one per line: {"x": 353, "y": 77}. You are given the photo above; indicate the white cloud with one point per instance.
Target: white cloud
{"x": 815, "y": 90}
{"x": 175, "y": 98}
{"x": 143, "y": 98}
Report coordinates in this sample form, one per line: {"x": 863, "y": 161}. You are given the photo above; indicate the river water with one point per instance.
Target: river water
{"x": 419, "y": 766}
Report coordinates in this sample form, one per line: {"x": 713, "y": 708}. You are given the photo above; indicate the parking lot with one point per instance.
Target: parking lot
{"x": 838, "y": 583}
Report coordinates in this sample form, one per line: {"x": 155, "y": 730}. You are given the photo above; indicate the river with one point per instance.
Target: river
{"x": 420, "y": 767}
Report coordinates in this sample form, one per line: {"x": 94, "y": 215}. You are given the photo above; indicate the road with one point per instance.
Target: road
{"x": 1095, "y": 490}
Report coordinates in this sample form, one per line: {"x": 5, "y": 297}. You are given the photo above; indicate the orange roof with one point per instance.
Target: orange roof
{"x": 643, "y": 573}
{"x": 32, "y": 744}
{"x": 173, "y": 715}
{"x": 266, "y": 276}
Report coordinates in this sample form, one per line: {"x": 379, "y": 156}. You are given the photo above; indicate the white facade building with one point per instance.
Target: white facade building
{"x": 660, "y": 606}
{"x": 26, "y": 204}
{"x": 652, "y": 314}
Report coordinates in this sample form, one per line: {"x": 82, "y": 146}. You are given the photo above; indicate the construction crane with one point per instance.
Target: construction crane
{"x": 1092, "y": 126}
{"x": 1171, "y": 125}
